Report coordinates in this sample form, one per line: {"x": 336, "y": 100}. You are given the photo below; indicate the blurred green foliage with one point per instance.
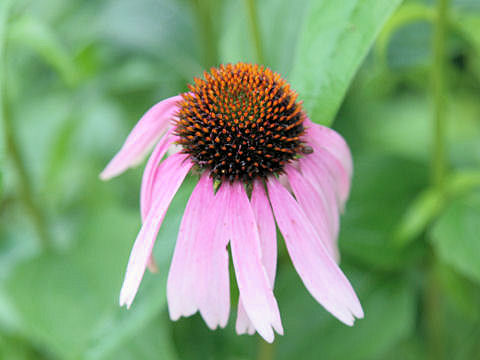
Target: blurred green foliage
{"x": 75, "y": 77}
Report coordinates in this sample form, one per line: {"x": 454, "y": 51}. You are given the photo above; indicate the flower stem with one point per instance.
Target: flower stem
{"x": 438, "y": 83}
{"x": 266, "y": 351}
{"x": 432, "y": 298}
{"x": 257, "y": 39}
{"x": 12, "y": 149}
{"x": 203, "y": 10}
{"x": 432, "y": 305}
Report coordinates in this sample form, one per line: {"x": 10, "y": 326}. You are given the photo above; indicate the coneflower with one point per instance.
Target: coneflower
{"x": 260, "y": 160}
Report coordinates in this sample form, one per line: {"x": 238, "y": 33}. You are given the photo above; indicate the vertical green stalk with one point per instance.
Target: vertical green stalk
{"x": 11, "y": 145}
{"x": 203, "y": 12}
{"x": 266, "y": 351}
{"x": 434, "y": 325}
{"x": 257, "y": 39}
{"x": 432, "y": 305}
{"x": 439, "y": 97}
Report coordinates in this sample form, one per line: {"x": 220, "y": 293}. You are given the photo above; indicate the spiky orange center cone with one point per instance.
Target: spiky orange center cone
{"x": 240, "y": 122}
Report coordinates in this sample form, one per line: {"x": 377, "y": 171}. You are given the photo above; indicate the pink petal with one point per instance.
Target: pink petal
{"x": 243, "y": 324}
{"x": 337, "y": 159}
{"x": 332, "y": 141}
{"x": 151, "y": 171}
{"x": 268, "y": 243}
{"x": 172, "y": 173}
{"x": 318, "y": 271}
{"x": 314, "y": 205}
{"x": 182, "y": 278}
{"x": 253, "y": 282}
{"x": 317, "y": 174}
{"x": 211, "y": 257}
{"x": 140, "y": 140}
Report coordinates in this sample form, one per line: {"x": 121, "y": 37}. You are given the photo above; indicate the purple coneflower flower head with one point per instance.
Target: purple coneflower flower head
{"x": 261, "y": 162}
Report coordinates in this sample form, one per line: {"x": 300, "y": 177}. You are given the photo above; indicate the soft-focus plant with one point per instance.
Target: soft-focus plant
{"x": 400, "y": 81}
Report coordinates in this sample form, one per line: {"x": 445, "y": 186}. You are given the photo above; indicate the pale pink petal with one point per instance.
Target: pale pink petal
{"x": 318, "y": 271}
{"x": 211, "y": 257}
{"x": 336, "y": 170}
{"x": 172, "y": 173}
{"x": 268, "y": 243}
{"x": 318, "y": 175}
{"x": 338, "y": 162}
{"x": 143, "y": 136}
{"x": 183, "y": 282}
{"x": 253, "y": 283}
{"x": 333, "y": 142}
{"x": 151, "y": 171}
{"x": 266, "y": 229}
{"x": 243, "y": 324}
{"x": 315, "y": 206}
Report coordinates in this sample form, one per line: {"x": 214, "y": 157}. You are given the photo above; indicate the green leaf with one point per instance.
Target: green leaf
{"x": 468, "y": 24}
{"x": 75, "y": 311}
{"x": 420, "y": 213}
{"x": 455, "y": 236}
{"x": 71, "y": 296}
{"x": 402, "y": 125}
{"x": 333, "y": 42}
{"x": 236, "y": 43}
{"x": 389, "y": 308}
{"x": 429, "y": 203}
{"x": 152, "y": 342}
{"x": 13, "y": 348}
{"x": 367, "y": 229}
{"x": 407, "y": 13}
{"x": 37, "y": 35}
{"x": 5, "y": 7}
{"x": 461, "y": 292}
{"x": 463, "y": 181}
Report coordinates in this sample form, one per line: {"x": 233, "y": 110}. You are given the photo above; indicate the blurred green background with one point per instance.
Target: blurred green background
{"x": 400, "y": 81}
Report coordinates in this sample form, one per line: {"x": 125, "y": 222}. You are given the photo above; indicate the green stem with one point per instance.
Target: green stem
{"x": 266, "y": 351}
{"x": 203, "y": 11}
{"x": 432, "y": 299}
{"x": 433, "y": 311}
{"x": 11, "y": 145}
{"x": 438, "y": 82}
{"x": 257, "y": 39}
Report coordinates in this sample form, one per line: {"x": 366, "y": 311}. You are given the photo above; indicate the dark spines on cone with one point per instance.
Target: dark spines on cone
{"x": 240, "y": 122}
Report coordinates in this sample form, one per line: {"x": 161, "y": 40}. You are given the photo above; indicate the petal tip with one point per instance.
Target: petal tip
{"x": 278, "y": 328}
{"x": 359, "y": 314}
{"x": 174, "y": 315}
{"x": 105, "y": 175}
{"x": 269, "y": 336}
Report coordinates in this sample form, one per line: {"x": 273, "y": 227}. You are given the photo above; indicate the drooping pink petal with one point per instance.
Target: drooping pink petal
{"x": 198, "y": 278}
{"x": 318, "y": 271}
{"x": 337, "y": 159}
{"x": 211, "y": 257}
{"x": 243, "y": 324}
{"x": 314, "y": 205}
{"x": 183, "y": 279}
{"x": 268, "y": 244}
{"x": 333, "y": 142}
{"x": 253, "y": 282}
{"x": 323, "y": 182}
{"x": 151, "y": 171}
{"x": 172, "y": 173}
{"x": 143, "y": 136}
